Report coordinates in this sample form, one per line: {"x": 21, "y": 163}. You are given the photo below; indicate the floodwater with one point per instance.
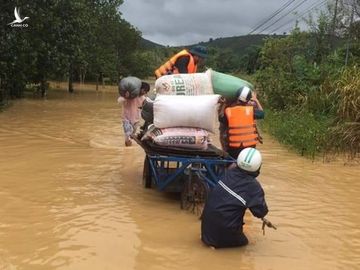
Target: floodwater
{"x": 71, "y": 197}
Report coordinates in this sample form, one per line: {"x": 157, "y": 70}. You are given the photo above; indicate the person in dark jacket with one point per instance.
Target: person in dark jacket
{"x": 238, "y": 190}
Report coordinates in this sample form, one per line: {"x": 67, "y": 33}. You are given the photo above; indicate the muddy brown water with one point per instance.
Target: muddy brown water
{"x": 71, "y": 198}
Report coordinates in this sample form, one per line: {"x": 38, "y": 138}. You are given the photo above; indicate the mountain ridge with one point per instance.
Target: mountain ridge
{"x": 238, "y": 44}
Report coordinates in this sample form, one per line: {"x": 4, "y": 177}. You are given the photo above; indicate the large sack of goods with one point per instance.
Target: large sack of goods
{"x": 186, "y": 111}
{"x": 192, "y": 84}
{"x": 130, "y": 84}
{"x": 192, "y": 138}
{"x": 227, "y": 85}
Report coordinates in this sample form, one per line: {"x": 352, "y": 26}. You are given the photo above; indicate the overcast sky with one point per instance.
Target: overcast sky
{"x": 185, "y": 22}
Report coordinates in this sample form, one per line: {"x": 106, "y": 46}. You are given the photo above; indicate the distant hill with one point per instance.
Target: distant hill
{"x": 147, "y": 44}
{"x": 238, "y": 44}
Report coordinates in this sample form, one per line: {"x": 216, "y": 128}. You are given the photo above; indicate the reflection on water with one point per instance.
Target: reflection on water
{"x": 71, "y": 198}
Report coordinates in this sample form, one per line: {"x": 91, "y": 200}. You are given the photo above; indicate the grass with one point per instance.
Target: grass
{"x": 302, "y": 131}
{"x": 346, "y": 134}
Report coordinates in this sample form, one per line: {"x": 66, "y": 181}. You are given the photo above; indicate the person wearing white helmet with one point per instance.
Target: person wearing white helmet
{"x": 237, "y": 190}
{"x": 237, "y": 119}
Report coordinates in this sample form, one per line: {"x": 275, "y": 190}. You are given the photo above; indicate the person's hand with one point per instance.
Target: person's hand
{"x": 120, "y": 99}
{"x": 254, "y": 96}
{"x": 268, "y": 224}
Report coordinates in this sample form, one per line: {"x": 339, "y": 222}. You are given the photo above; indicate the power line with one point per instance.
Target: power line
{"x": 263, "y": 22}
{"x": 313, "y": 6}
{"x": 302, "y": 2}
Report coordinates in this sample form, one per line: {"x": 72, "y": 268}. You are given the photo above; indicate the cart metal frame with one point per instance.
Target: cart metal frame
{"x": 191, "y": 172}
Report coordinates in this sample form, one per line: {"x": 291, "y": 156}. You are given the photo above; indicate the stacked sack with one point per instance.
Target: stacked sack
{"x": 207, "y": 83}
{"x": 192, "y": 84}
{"x": 185, "y": 108}
{"x": 183, "y": 112}
{"x": 194, "y": 138}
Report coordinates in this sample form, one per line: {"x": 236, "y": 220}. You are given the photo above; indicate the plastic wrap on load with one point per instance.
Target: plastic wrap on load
{"x": 184, "y": 137}
{"x": 192, "y": 84}
{"x": 227, "y": 85}
{"x": 130, "y": 84}
{"x": 186, "y": 111}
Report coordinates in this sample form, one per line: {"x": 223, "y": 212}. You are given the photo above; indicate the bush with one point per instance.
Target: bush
{"x": 303, "y": 131}
{"x": 346, "y": 133}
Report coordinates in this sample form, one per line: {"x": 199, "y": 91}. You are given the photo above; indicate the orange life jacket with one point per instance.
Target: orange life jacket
{"x": 242, "y": 126}
{"x": 169, "y": 66}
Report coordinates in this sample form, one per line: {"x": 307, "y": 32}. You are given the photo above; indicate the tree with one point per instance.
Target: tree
{"x": 64, "y": 38}
{"x": 250, "y": 60}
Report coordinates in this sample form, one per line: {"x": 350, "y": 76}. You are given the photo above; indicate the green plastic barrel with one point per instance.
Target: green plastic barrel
{"x": 227, "y": 85}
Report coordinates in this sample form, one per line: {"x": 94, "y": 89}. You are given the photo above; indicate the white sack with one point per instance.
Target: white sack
{"x": 186, "y": 111}
{"x": 192, "y": 138}
{"x": 192, "y": 84}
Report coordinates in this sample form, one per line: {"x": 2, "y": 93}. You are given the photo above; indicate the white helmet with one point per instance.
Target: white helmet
{"x": 244, "y": 94}
{"x": 249, "y": 159}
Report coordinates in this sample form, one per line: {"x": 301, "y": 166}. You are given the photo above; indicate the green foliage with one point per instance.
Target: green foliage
{"x": 143, "y": 63}
{"x": 291, "y": 75}
{"x": 286, "y": 76}
{"x": 307, "y": 87}
{"x": 238, "y": 45}
{"x": 314, "y": 99}
{"x": 224, "y": 61}
{"x": 345, "y": 138}
{"x": 64, "y": 39}
{"x": 235, "y": 54}
{"x": 228, "y": 55}
{"x": 250, "y": 61}
{"x": 303, "y": 131}
{"x": 347, "y": 94}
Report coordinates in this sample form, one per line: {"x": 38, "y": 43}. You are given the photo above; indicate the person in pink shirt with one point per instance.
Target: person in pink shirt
{"x": 132, "y": 95}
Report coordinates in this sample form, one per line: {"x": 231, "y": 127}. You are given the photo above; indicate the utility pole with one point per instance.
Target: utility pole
{"x": 349, "y": 35}
{"x": 332, "y": 37}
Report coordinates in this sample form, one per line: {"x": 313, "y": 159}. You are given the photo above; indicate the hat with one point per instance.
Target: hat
{"x": 200, "y": 51}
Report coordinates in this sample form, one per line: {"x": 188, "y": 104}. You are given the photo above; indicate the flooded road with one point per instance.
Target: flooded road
{"x": 71, "y": 198}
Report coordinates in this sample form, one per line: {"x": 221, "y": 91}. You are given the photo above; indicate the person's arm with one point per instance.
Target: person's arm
{"x": 257, "y": 205}
{"x": 258, "y": 111}
{"x": 259, "y": 114}
{"x": 255, "y": 99}
{"x": 260, "y": 210}
{"x": 182, "y": 64}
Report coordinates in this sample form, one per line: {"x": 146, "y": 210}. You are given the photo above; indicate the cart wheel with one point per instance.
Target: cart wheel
{"x": 194, "y": 195}
{"x": 147, "y": 173}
